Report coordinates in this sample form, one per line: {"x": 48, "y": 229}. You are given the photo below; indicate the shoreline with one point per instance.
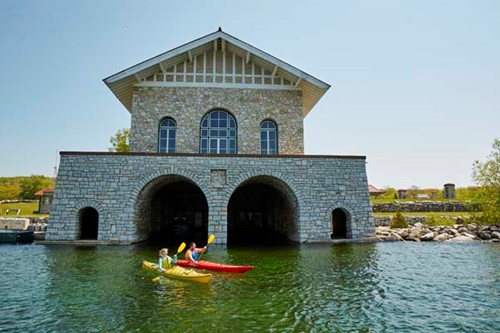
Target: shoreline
{"x": 420, "y": 232}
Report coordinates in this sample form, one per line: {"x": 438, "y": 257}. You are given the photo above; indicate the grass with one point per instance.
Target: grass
{"x": 27, "y": 209}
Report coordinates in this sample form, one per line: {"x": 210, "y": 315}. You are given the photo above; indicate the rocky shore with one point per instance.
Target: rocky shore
{"x": 420, "y": 232}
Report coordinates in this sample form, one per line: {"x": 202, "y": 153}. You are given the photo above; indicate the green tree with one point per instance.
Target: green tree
{"x": 30, "y": 185}
{"x": 120, "y": 141}
{"x": 487, "y": 176}
{"x": 9, "y": 190}
{"x": 399, "y": 221}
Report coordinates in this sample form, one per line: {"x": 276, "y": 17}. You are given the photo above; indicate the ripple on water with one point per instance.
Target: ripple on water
{"x": 403, "y": 287}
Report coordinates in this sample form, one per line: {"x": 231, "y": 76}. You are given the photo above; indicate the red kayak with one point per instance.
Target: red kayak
{"x": 212, "y": 266}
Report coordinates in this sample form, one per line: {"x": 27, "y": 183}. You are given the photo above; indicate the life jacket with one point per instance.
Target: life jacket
{"x": 194, "y": 254}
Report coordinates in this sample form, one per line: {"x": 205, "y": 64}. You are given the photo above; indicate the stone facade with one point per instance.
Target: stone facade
{"x": 126, "y": 198}
{"x": 187, "y": 106}
{"x": 117, "y": 184}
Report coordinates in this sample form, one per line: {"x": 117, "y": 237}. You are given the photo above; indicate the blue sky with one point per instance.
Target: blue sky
{"x": 415, "y": 84}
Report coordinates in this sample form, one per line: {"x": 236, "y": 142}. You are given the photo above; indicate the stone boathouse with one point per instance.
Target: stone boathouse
{"x": 217, "y": 146}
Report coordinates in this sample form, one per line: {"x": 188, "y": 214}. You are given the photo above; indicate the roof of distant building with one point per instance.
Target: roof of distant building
{"x": 44, "y": 190}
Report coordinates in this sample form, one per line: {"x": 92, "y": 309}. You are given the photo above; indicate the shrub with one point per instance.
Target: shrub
{"x": 399, "y": 221}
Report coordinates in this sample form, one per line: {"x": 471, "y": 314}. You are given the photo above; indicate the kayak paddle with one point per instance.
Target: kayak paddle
{"x": 181, "y": 247}
{"x": 210, "y": 240}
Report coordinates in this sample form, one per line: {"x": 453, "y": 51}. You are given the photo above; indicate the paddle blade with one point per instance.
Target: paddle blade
{"x": 211, "y": 239}
{"x": 156, "y": 279}
{"x": 181, "y": 247}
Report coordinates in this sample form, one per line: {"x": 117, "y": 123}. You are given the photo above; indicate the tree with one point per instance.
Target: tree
{"x": 487, "y": 175}
{"x": 120, "y": 141}
{"x": 31, "y": 185}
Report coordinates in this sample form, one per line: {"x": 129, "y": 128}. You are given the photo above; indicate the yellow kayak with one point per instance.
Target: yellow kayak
{"x": 180, "y": 273}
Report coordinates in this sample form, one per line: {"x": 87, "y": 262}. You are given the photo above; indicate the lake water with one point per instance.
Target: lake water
{"x": 383, "y": 287}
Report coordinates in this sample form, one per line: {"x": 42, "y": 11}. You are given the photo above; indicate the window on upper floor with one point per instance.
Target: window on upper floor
{"x": 166, "y": 136}
{"x": 268, "y": 138}
{"x": 218, "y": 133}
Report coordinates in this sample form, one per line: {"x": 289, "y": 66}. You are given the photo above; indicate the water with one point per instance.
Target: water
{"x": 385, "y": 287}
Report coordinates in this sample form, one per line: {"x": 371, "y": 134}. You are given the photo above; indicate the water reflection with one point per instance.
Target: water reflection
{"x": 402, "y": 287}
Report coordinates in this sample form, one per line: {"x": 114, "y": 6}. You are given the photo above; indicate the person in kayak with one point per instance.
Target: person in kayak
{"x": 164, "y": 260}
{"x": 193, "y": 252}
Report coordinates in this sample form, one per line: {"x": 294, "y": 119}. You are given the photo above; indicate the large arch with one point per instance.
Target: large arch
{"x": 262, "y": 209}
{"x": 170, "y": 209}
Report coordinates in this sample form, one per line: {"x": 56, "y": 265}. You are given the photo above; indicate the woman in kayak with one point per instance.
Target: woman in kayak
{"x": 165, "y": 261}
{"x": 193, "y": 251}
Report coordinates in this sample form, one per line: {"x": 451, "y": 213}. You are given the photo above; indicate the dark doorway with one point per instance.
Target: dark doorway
{"x": 261, "y": 212}
{"x": 339, "y": 224}
{"x": 89, "y": 223}
{"x": 179, "y": 213}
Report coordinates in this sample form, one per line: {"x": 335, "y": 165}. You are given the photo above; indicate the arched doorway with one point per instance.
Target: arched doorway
{"x": 262, "y": 210}
{"x": 89, "y": 223}
{"x": 339, "y": 223}
{"x": 170, "y": 210}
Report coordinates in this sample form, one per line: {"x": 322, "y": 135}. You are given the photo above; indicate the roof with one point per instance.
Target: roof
{"x": 44, "y": 190}
{"x": 373, "y": 190}
{"x": 122, "y": 83}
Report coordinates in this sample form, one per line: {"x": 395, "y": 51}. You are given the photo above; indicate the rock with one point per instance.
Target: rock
{"x": 484, "y": 235}
{"x": 493, "y": 228}
{"x": 495, "y": 235}
{"x": 452, "y": 232}
{"x": 471, "y": 227}
{"x": 469, "y": 235}
{"x": 460, "y": 238}
{"x": 404, "y": 234}
{"x": 427, "y": 237}
{"x": 418, "y": 225}
{"x": 462, "y": 230}
{"x": 442, "y": 237}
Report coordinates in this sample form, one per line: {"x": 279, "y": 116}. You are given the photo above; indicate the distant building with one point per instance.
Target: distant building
{"x": 449, "y": 191}
{"x": 374, "y": 192}
{"x": 45, "y": 196}
{"x": 402, "y": 194}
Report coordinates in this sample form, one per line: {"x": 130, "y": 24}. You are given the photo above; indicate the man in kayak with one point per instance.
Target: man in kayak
{"x": 193, "y": 252}
{"x": 165, "y": 261}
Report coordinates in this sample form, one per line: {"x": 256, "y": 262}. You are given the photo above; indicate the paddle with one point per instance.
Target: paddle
{"x": 181, "y": 247}
{"x": 179, "y": 250}
{"x": 210, "y": 240}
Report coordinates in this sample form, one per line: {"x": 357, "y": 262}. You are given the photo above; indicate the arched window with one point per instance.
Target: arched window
{"x": 268, "y": 138}
{"x": 218, "y": 133}
{"x": 166, "y": 136}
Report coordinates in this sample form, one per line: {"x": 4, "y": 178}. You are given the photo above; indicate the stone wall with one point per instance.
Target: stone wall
{"x": 187, "y": 106}
{"x": 422, "y": 206}
{"x": 115, "y": 183}
{"x": 384, "y": 221}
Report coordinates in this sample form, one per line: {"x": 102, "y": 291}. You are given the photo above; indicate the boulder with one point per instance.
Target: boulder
{"x": 442, "y": 237}
{"x": 460, "y": 238}
{"x": 495, "y": 235}
{"x": 484, "y": 235}
{"x": 427, "y": 237}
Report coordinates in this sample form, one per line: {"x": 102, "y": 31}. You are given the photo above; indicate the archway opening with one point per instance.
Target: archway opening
{"x": 339, "y": 223}
{"x": 262, "y": 210}
{"x": 172, "y": 210}
{"x": 89, "y": 223}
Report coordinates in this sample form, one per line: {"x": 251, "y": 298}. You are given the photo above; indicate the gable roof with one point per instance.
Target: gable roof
{"x": 122, "y": 83}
